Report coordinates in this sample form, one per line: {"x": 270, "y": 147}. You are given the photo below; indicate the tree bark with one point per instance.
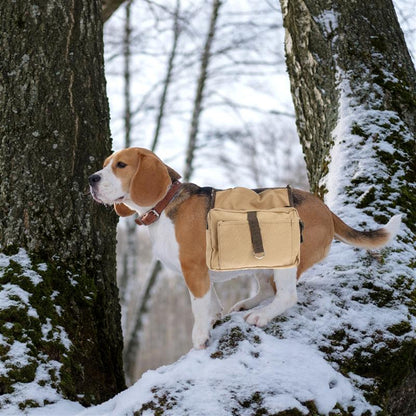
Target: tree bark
{"x": 317, "y": 45}
{"x": 354, "y": 89}
{"x": 54, "y": 133}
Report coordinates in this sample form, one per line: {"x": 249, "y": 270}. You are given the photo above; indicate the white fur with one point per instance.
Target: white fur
{"x": 393, "y": 226}
{"x": 201, "y": 308}
{"x": 286, "y": 296}
{"x": 165, "y": 246}
{"x": 109, "y": 189}
{"x": 264, "y": 291}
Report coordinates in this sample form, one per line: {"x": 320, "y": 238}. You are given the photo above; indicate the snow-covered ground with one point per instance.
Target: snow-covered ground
{"x": 253, "y": 369}
{"x": 287, "y": 372}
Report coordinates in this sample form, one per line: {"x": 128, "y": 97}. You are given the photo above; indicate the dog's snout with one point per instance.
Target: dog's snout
{"x": 93, "y": 179}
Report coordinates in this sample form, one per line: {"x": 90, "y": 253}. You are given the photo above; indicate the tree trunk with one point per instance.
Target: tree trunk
{"x": 54, "y": 133}
{"x": 199, "y": 94}
{"x": 353, "y": 86}
{"x": 168, "y": 77}
{"x": 129, "y": 263}
{"x": 131, "y": 351}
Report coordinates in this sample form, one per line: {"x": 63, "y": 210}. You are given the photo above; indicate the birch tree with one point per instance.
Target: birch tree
{"x": 59, "y": 314}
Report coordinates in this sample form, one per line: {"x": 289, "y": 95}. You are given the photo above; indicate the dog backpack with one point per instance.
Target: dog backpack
{"x": 252, "y": 229}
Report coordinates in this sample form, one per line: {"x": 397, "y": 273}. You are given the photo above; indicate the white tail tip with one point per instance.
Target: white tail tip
{"x": 393, "y": 226}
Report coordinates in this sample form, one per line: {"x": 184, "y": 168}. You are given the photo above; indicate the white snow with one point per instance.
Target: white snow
{"x": 287, "y": 373}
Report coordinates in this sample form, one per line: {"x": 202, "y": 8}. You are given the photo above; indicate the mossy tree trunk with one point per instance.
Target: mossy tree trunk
{"x": 61, "y": 296}
{"x": 354, "y": 89}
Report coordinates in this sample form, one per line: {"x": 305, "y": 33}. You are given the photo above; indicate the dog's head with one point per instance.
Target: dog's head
{"x": 131, "y": 175}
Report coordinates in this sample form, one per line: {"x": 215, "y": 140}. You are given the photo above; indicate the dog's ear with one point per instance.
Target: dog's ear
{"x": 150, "y": 181}
{"x": 123, "y": 210}
{"x": 173, "y": 174}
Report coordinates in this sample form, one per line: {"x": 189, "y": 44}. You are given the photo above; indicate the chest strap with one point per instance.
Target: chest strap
{"x": 149, "y": 217}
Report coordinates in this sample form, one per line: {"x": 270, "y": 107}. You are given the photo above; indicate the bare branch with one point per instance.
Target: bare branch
{"x": 109, "y": 7}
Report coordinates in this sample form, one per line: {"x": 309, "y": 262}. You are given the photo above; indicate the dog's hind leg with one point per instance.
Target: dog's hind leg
{"x": 286, "y": 296}
{"x": 265, "y": 290}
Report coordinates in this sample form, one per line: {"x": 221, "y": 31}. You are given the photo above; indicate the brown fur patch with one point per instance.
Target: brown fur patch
{"x": 142, "y": 174}
{"x": 190, "y": 233}
{"x": 318, "y": 232}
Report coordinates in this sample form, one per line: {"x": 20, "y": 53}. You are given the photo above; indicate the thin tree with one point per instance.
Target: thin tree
{"x": 354, "y": 89}
{"x": 109, "y": 7}
{"x": 129, "y": 254}
{"x": 200, "y": 89}
{"x": 57, "y": 267}
{"x": 176, "y": 31}
{"x": 133, "y": 344}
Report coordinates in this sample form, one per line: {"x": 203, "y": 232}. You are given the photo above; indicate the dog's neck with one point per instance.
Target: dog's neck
{"x": 149, "y": 215}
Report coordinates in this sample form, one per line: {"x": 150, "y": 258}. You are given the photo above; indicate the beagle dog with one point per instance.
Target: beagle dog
{"x": 136, "y": 181}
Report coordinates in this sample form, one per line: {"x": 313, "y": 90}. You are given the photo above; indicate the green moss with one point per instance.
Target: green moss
{"x": 381, "y": 296}
{"x": 28, "y": 403}
{"x": 23, "y": 321}
{"x": 401, "y": 328}
{"x": 290, "y": 412}
{"x": 162, "y": 402}
{"x": 411, "y": 303}
{"x": 358, "y": 131}
{"x": 230, "y": 341}
{"x": 388, "y": 366}
{"x": 369, "y": 197}
{"x": 379, "y": 43}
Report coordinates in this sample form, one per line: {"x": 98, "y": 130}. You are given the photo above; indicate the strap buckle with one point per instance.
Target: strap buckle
{"x": 154, "y": 212}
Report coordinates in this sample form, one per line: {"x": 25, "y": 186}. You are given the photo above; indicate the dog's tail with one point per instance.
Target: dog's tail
{"x": 366, "y": 239}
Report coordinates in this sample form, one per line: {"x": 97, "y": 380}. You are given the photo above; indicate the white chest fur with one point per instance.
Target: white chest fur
{"x": 165, "y": 246}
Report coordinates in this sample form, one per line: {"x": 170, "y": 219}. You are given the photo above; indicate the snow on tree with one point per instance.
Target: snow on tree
{"x": 354, "y": 89}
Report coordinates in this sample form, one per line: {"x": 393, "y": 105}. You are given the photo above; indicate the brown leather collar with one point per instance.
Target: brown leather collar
{"x": 149, "y": 217}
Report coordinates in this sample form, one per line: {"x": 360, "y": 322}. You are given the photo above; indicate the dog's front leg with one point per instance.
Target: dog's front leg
{"x": 199, "y": 286}
{"x": 202, "y": 320}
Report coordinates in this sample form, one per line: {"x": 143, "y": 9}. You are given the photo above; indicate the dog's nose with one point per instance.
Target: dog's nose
{"x": 93, "y": 179}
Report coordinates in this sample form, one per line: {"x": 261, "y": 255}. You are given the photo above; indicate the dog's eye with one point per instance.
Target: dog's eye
{"x": 121, "y": 165}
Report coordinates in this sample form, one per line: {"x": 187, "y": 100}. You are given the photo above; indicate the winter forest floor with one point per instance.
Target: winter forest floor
{"x": 291, "y": 365}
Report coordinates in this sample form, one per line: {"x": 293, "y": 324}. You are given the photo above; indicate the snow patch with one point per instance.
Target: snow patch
{"x": 287, "y": 373}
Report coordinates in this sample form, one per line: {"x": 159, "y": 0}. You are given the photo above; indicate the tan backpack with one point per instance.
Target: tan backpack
{"x": 247, "y": 229}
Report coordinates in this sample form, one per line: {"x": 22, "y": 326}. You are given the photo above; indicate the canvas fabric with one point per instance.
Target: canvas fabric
{"x": 252, "y": 230}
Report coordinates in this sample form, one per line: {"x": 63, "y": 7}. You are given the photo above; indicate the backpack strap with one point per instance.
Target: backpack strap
{"x": 290, "y": 195}
{"x": 255, "y": 232}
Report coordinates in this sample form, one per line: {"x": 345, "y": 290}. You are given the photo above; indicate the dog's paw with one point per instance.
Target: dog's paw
{"x": 216, "y": 312}
{"x": 259, "y": 318}
{"x": 215, "y": 319}
{"x": 200, "y": 337}
{"x": 239, "y": 306}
